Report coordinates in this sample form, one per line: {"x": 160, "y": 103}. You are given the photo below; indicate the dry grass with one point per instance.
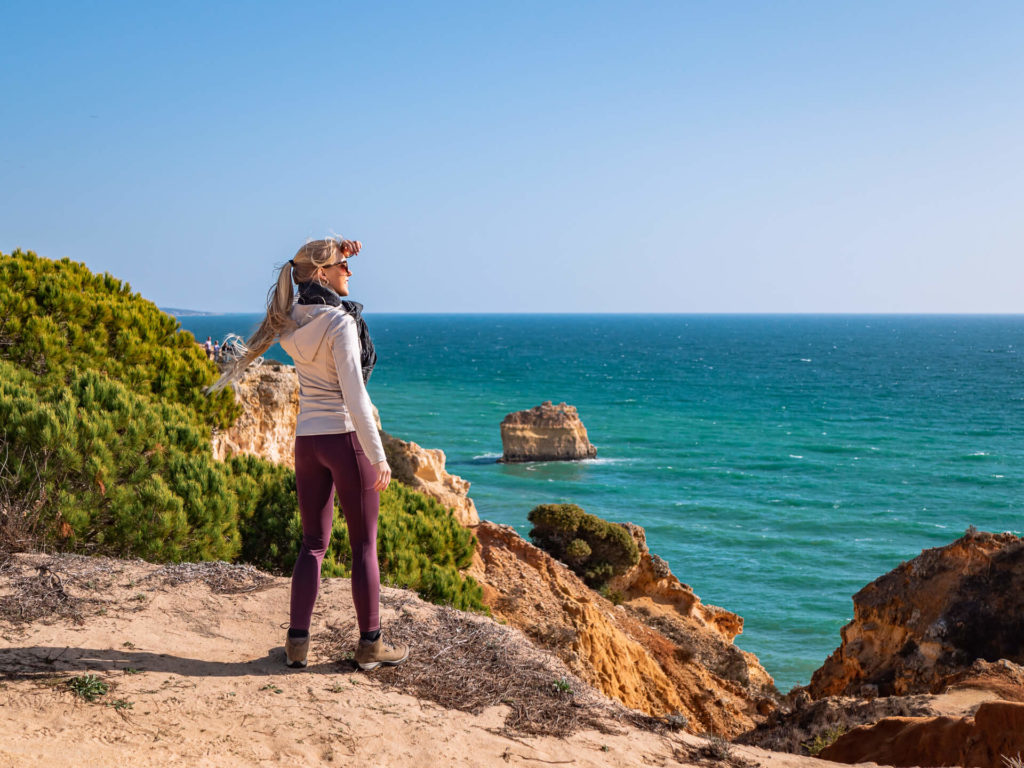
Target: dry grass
{"x": 470, "y": 663}
{"x": 225, "y": 578}
{"x": 70, "y": 586}
{"x": 44, "y": 590}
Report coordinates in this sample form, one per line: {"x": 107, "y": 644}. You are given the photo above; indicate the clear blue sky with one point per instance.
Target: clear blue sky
{"x": 527, "y": 156}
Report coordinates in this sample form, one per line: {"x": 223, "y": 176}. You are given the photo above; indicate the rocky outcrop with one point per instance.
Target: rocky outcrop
{"x": 660, "y": 656}
{"x": 801, "y": 722}
{"x": 545, "y": 433}
{"x": 930, "y": 618}
{"x": 996, "y": 729}
{"x": 269, "y": 396}
{"x": 650, "y": 588}
{"x": 422, "y": 469}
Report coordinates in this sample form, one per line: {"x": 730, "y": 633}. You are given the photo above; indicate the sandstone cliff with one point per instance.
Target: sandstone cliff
{"x": 661, "y": 652}
{"x": 269, "y": 395}
{"x": 930, "y": 618}
{"x": 545, "y": 433}
{"x": 422, "y": 469}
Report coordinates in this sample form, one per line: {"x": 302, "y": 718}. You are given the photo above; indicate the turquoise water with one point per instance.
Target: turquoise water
{"x": 779, "y": 463}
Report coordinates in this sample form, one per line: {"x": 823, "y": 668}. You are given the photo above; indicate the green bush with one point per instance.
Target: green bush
{"x": 824, "y": 739}
{"x": 109, "y": 472}
{"x": 57, "y": 315}
{"x": 594, "y": 548}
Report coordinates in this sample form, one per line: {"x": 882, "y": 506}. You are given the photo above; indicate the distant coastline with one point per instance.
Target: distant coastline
{"x": 177, "y": 312}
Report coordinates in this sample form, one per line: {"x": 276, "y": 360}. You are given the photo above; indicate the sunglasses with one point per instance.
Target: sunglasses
{"x": 343, "y": 264}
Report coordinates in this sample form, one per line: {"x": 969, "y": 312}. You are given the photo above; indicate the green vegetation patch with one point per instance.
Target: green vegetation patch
{"x": 57, "y": 316}
{"x": 88, "y": 687}
{"x": 824, "y": 739}
{"x": 593, "y": 548}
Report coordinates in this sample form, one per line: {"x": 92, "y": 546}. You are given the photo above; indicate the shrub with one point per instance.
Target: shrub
{"x": 824, "y": 739}
{"x": 594, "y": 548}
{"x": 111, "y": 472}
{"x": 56, "y": 316}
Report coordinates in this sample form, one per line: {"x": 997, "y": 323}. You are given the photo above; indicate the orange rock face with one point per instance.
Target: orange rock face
{"x": 996, "y": 729}
{"x": 661, "y": 652}
{"x": 269, "y": 396}
{"x": 422, "y": 469}
{"x": 545, "y": 433}
{"x": 931, "y": 618}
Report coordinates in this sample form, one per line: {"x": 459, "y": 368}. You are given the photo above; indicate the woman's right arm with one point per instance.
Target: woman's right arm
{"x": 344, "y": 342}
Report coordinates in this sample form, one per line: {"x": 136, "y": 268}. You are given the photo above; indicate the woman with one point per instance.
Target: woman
{"x": 337, "y": 446}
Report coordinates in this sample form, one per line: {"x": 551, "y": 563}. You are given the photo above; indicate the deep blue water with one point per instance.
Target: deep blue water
{"x": 779, "y": 463}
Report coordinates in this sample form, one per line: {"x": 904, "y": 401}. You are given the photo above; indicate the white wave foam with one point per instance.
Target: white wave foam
{"x": 483, "y": 456}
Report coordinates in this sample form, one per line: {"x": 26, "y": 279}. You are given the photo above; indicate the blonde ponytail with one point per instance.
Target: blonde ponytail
{"x": 302, "y": 268}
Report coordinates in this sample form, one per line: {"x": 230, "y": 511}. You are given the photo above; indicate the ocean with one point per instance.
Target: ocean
{"x": 779, "y": 463}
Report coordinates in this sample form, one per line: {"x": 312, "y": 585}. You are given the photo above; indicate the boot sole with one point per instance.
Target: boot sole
{"x": 296, "y": 664}
{"x": 374, "y": 664}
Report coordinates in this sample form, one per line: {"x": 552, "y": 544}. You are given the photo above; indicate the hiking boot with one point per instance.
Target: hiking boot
{"x": 295, "y": 651}
{"x": 372, "y": 655}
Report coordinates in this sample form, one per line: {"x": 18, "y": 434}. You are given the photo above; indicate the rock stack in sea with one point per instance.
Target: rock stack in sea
{"x": 545, "y": 433}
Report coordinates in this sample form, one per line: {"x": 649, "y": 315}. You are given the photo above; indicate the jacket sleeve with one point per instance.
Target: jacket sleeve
{"x": 344, "y": 341}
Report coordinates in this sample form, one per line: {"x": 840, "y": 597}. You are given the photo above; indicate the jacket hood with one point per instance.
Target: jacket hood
{"x": 312, "y": 321}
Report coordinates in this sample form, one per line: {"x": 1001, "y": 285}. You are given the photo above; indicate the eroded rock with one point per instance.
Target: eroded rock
{"x": 657, "y": 656}
{"x": 545, "y": 433}
{"x": 996, "y": 729}
{"x": 269, "y": 396}
{"x": 930, "y": 618}
{"x": 422, "y": 469}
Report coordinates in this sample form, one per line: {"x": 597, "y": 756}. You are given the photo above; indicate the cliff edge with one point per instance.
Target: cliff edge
{"x": 660, "y": 651}
{"x": 931, "y": 618}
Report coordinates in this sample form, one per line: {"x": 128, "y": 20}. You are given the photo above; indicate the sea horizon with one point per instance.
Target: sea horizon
{"x": 203, "y": 313}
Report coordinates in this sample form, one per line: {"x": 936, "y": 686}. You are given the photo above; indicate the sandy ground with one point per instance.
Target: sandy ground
{"x": 196, "y": 678}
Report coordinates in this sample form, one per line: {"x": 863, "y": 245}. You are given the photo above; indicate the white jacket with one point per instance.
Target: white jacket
{"x": 332, "y": 396}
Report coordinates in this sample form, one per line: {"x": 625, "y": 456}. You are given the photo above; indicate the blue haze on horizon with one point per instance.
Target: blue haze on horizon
{"x": 532, "y": 157}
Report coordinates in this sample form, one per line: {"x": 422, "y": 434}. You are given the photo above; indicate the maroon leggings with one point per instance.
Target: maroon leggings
{"x": 323, "y": 463}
